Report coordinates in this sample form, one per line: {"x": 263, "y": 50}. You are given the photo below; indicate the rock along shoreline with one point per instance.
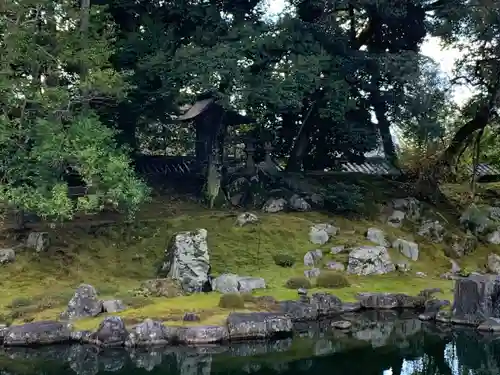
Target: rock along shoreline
{"x": 112, "y": 331}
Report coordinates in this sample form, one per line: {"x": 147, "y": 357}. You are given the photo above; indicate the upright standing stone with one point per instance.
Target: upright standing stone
{"x": 187, "y": 260}
{"x": 476, "y": 299}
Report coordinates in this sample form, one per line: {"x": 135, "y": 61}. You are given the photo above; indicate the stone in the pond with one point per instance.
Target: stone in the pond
{"x": 187, "y": 260}
{"x": 312, "y": 273}
{"x": 7, "y": 256}
{"x": 319, "y": 234}
{"x": 149, "y": 333}
{"x": 342, "y": 324}
{"x": 408, "y": 248}
{"x": 111, "y": 333}
{"x": 246, "y": 218}
{"x": 376, "y": 236}
{"x": 312, "y": 257}
{"x": 370, "y": 260}
{"x": 260, "y": 325}
{"x": 113, "y": 306}
{"x": 37, "y": 333}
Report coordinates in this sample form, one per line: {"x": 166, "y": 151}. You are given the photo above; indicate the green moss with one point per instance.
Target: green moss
{"x": 117, "y": 259}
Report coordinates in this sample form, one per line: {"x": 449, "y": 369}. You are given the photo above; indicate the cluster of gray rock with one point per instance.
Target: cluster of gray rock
{"x": 113, "y": 332}
{"x": 38, "y": 241}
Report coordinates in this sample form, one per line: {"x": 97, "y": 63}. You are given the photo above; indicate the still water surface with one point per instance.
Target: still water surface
{"x": 381, "y": 346}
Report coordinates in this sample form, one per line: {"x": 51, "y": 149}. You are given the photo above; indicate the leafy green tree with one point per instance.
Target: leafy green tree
{"x": 54, "y": 71}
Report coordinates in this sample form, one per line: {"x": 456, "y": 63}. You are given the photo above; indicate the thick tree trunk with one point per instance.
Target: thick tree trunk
{"x": 479, "y": 122}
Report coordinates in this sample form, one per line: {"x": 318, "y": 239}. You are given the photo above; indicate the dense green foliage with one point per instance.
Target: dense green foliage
{"x": 81, "y": 85}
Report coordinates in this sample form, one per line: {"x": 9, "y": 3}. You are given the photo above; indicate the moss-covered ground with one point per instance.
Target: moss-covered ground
{"x": 117, "y": 258}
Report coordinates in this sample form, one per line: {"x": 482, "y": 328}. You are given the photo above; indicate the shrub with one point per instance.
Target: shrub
{"x": 297, "y": 282}
{"x": 247, "y": 297}
{"x": 332, "y": 280}
{"x": 231, "y": 301}
{"x": 284, "y": 260}
{"x": 345, "y": 198}
{"x": 20, "y": 302}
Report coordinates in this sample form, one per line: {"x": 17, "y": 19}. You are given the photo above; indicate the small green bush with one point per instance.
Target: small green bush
{"x": 248, "y": 297}
{"x": 20, "y": 302}
{"x": 331, "y": 279}
{"x": 284, "y": 260}
{"x": 297, "y": 282}
{"x": 231, "y": 301}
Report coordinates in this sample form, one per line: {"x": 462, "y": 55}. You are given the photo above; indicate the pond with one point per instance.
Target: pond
{"x": 381, "y": 344}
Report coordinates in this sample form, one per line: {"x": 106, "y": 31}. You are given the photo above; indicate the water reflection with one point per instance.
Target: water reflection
{"x": 382, "y": 343}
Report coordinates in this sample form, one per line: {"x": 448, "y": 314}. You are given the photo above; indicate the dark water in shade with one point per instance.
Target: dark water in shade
{"x": 380, "y": 344}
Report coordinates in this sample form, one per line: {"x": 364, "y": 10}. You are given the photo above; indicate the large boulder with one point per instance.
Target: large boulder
{"x": 370, "y": 260}
{"x": 261, "y": 325}
{"x": 326, "y": 304}
{"x": 477, "y": 219}
{"x": 187, "y": 260}
{"x": 299, "y": 311}
{"x": 312, "y": 258}
{"x": 37, "y": 333}
{"x": 150, "y": 333}
{"x": 111, "y": 333}
{"x": 84, "y": 304}
{"x": 203, "y": 335}
{"x": 319, "y": 234}
{"x": 231, "y": 283}
{"x": 411, "y": 207}
{"x": 432, "y": 230}
{"x": 39, "y": 241}
{"x": 376, "y": 236}
{"x": 408, "y": 248}
{"x": 476, "y": 298}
